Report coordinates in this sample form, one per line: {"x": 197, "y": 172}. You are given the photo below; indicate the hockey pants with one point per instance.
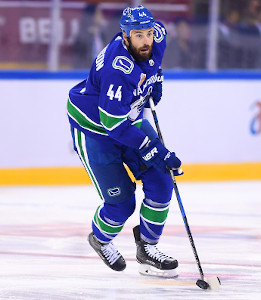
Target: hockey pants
{"x": 104, "y": 162}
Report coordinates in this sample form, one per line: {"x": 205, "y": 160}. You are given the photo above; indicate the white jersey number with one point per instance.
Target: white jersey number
{"x": 116, "y": 95}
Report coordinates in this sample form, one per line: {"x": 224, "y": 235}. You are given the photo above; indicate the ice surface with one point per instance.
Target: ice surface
{"x": 44, "y": 253}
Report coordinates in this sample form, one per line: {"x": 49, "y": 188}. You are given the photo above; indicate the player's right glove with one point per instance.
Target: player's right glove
{"x": 155, "y": 154}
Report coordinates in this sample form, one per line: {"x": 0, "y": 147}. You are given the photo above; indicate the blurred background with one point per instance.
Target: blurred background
{"x": 211, "y": 115}
{"x": 67, "y": 35}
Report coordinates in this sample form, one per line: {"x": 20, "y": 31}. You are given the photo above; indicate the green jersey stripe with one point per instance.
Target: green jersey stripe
{"x": 137, "y": 123}
{"x": 83, "y": 114}
{"x": 109, "y": 121}
{"x": 113, "y": 116}
{"x": 78, "y": 116}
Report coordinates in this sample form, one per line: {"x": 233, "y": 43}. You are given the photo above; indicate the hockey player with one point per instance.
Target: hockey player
{"x": 106, "y": 116}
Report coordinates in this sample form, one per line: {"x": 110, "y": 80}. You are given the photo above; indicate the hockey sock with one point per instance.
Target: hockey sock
{"x": 153, "y": 216}
{"x": 103, "y": 228}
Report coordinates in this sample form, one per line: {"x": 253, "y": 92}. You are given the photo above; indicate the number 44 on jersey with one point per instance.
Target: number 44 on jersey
{"x": 114, "y": 93}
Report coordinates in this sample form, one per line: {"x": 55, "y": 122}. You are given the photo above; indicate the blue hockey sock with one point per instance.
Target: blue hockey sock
{"x": 153, "y": 216}
{"x": 109, "y": 219}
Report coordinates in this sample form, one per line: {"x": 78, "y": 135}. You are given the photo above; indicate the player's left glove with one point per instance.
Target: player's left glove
{"x": 156, "y": 93}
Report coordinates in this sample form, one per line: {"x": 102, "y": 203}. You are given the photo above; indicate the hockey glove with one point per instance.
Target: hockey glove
{"x": 155, "y": 154}
{"x": 156, "y": 93}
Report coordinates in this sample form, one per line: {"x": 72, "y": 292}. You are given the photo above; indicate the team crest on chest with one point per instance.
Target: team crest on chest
{"x": 123, "y": 63}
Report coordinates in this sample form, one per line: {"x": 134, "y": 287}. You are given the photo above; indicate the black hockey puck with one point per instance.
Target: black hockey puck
{"x": 202, "y": 284}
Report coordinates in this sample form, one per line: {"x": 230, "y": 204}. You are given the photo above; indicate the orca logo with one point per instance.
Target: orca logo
{"x": 116, "y": 191}
{"x": 123, "y": 63}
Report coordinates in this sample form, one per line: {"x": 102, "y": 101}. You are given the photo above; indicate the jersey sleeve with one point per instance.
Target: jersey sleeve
{"x": 160, "y": 40}
{"x": 160, "y": 32}
{"x": 116, "y": 93}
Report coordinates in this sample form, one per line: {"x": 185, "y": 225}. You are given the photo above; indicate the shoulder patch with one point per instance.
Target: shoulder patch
{"x": 159, "y": 33}
{"x": 123, "y": 63}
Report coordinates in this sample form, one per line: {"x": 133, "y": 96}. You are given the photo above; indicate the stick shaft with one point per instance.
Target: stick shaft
{"x": 192, "y": 243}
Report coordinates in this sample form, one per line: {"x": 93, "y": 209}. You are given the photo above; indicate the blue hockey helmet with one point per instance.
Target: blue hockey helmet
{"x": 135, "y": 19}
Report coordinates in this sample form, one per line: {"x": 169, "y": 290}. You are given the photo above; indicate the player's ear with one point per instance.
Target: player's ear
{"x": 124, "y": 35}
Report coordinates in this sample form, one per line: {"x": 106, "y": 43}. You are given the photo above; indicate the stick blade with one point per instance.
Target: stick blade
{"x": 214, "y": 283}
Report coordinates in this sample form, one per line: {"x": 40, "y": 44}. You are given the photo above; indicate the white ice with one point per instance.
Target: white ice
{"x": 45, "y": 255}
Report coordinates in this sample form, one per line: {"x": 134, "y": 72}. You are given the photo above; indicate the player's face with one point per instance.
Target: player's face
{"x": 140, "y": 43}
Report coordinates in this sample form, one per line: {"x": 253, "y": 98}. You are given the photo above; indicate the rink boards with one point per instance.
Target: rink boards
{"x": 211, "y": 121}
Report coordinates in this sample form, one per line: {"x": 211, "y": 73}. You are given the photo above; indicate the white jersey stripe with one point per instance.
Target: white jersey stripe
{"x": 85, "y": 160}
{"x": 88, "y": 164}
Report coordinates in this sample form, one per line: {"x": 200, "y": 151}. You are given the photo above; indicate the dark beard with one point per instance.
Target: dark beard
{"x": 134, "y": 53}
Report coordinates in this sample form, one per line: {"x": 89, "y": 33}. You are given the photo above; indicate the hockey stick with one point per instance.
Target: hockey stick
{"x": 213, "y": 282}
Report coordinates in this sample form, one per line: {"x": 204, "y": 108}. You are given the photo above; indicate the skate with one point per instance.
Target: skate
{"x": 108, "y": 253}
{"x": 153, "y": 262}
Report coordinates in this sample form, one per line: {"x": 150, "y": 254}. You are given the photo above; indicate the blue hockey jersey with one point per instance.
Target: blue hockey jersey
{"x": 110, "y": 102}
